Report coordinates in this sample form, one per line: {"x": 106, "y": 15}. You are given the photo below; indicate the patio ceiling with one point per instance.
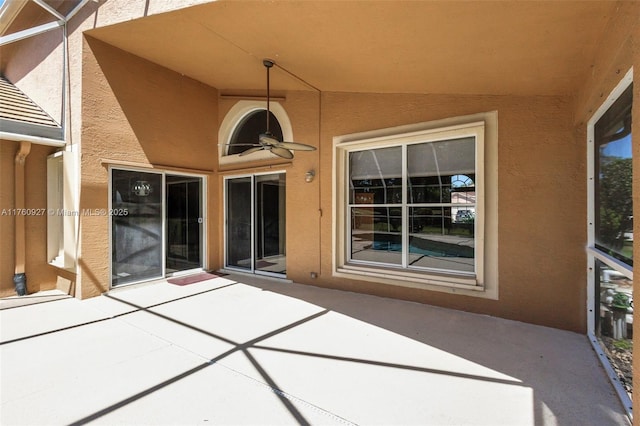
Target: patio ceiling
{"x": 498, "y": 48}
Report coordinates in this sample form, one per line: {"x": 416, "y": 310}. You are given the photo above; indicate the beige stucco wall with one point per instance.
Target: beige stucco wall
{"x": 541, "y": 245}
{"x": 40, "y": 276}
{"x": 34, "y": 65}
{"x": 140, "y": 113}
{"x": 541, "y": 256}
{"x": 541, "y": 261}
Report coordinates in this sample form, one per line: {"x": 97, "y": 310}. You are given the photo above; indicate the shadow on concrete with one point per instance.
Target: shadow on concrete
{"x": 567, "y": 383}
{"x": 559, "y": 366}
{"x": 237, "y": 347}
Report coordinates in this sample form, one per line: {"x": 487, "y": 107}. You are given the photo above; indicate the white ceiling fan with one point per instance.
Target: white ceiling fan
{"x": 268, "y": 141}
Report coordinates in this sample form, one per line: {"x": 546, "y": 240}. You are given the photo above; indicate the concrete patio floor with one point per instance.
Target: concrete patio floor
{"x": 245, "y": 350}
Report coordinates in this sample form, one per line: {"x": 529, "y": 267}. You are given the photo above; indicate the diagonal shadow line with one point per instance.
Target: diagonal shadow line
{"x": 168, "y": 318}
{"x": 393, "y": 365}
{"x": 274, "y": 386}
{"x": 139, "y": 395}
{"x": 152, "y": 389}
{"x": 138, "y": 308}
{"x": 238, "y": 347}
{"x": 252, "y": 342}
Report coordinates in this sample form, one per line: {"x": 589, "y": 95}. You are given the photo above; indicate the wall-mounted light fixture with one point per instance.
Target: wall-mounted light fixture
{"x": 141, "y": 188}
{"x": 308, "y": 177}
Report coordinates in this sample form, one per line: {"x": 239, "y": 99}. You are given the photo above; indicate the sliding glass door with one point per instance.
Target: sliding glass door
{"x": 238, "y": 223}
{"x": 157, "y": 225}
{"x": 184, "y": 223}
{"x": 255, "y": 233}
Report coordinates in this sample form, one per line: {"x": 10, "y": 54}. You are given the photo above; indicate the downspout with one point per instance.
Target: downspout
{"x": 65, "y": 64}
{"x": 20, "y": 278}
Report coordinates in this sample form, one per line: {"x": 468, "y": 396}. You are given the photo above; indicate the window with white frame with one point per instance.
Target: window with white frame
{"x": 610, "y": 226}
{"x": 410, "y": 205}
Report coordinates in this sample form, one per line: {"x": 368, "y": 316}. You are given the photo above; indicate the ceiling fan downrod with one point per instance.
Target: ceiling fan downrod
{"x": 268, "y": 63}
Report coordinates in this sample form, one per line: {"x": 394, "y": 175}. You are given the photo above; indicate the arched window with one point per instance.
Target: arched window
{"x": 461, "y": 181}
{"x": 249, "y": 129}
{"x": 244, "y": 123}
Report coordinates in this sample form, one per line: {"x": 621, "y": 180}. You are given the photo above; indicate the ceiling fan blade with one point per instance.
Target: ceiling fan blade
{"x": 251, "y": 150}
{"x": 296, "y": 146}
{"x": 267, "y": 139}
{"x": 281, "y": 152}
{"x": 239, "y": 144}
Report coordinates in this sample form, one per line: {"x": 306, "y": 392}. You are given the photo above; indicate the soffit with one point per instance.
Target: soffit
{"x": 515, "y": 47}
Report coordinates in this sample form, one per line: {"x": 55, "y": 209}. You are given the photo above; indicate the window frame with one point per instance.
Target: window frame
{"x": 163, "y": 172}
{"x": 483, "y": 283}
{"x": 592, "y": 251}
{"x": 595, "y": 254}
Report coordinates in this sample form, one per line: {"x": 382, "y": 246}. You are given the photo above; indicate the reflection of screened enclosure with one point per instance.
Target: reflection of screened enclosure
{"x": 136, "y": 230}
{"x": 414, "y": 205}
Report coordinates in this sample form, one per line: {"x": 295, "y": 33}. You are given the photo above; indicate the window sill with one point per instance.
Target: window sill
{"x": 59, "y": 263}
{"x": 404, "y": 278}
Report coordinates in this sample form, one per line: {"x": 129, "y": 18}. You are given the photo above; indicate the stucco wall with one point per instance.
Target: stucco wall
{"x": 34, "y": 65}
{"x": 40, "y": 276}
{"x": 136, "y": 112}
{"x": 541, "y": 244}
{"x": 541, "y": 257}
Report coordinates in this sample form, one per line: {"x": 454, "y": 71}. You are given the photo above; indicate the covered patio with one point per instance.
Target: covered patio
{"x": 236, "y": 349}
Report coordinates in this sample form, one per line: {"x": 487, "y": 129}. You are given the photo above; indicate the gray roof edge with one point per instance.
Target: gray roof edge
{"x": 19, "y": 128}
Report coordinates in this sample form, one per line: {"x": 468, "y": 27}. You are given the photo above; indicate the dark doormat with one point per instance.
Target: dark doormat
{"x": 191, "y": 279}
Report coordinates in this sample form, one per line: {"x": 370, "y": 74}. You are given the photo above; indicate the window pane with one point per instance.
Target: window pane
{"x": 239, "y": 222}
{"x": 250, "y": 128}
{"x": 136, "y": 233}
{"x": 270, "y": 239}
{"x": 439, "y": 241}
{"x": 614, "y": 207}
{"x": 375, "y": 176}
{"x": 438, "y": 169}
{"x": 614, "y": 320}
{"x": 376, "y": 234}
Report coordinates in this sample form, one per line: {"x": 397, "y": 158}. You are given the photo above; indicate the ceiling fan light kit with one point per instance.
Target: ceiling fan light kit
{"x": 267, "y": 141}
